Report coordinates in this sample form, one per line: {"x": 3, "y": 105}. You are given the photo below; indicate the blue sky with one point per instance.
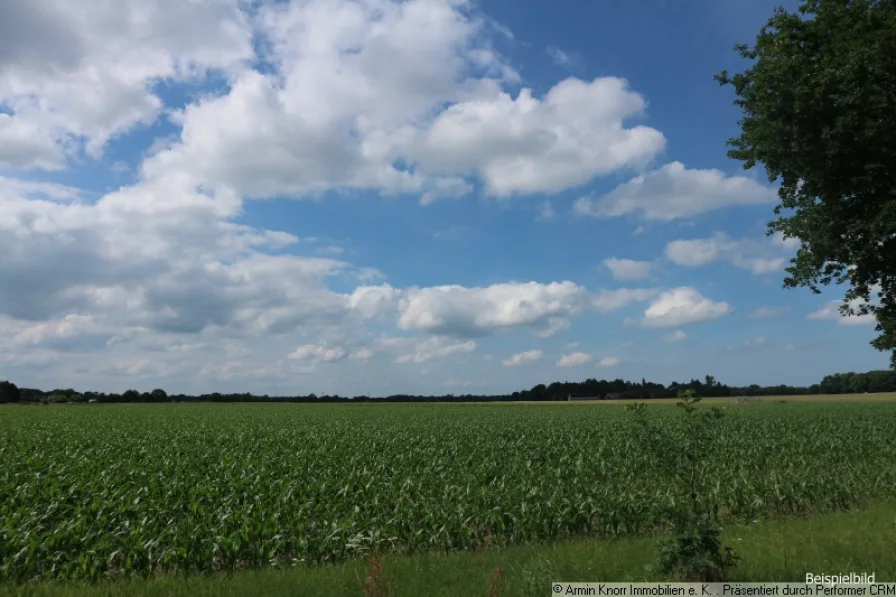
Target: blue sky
{"x": 372, "y": 197}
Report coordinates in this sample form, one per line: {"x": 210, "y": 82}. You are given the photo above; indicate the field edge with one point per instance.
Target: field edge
{"x": 782, "y": 549}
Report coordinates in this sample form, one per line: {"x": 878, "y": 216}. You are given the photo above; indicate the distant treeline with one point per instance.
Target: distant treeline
{"x": 839, "y": 383}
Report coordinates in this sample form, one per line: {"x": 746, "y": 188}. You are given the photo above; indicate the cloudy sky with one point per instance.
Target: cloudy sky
{"x": 372, "y": 197}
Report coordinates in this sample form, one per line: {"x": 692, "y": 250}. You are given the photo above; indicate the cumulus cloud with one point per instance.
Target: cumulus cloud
{"x": 758, "y": 257}
{"x": 608, "y": 362}
{"x": 561, "y": 58}
{"x": 673, "y": 192}
{"x": 76, "y": 76}
{"x": 161, "y": 267}
{"x": 554, "y": 325}
{"x": 377, "y": 84}
{"x": 523, "y": 358}
{"x": 475, "y": 312}
{"x": 436, "y": 348}
{"x": 415, "y": 83}
{"x": 682, "y": 306}
{"x": 362, "y": 354}
{"x": 831, "y": 311}
{"x": 374, "y": 301}
{"x": 163, "y": 256}
{"x": 310, "y": 352}
{"x": 628, "y": 269}
{"x": 526, "y": 145}
{"x": 675, "y": 336}
{"x": 574, "y": 359}
{"x": 161, "y": 279}
{"x": 612, "y": 300}
{"x": 72, "y": 332}
{"x": 790, "y": 243}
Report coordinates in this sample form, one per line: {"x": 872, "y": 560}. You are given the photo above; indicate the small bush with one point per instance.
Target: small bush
{"x": 695, "y": 551}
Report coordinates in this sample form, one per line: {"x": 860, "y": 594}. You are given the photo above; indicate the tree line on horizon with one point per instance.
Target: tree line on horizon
{"x": 709, "y": 387}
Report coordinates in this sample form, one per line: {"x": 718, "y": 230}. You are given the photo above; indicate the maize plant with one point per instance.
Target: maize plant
{"x": 88, "y": 493}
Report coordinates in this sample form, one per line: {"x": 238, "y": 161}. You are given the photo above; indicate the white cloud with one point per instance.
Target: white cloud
{"x": 791, "y": 244}
{"x": 474, "y": 312}
{"x": 697, "y": 252}
{"x": 374, "y": 301}
{"x": 574, "y": 359}
{"x": 310, "y": 352}
{"x": 553, "y": 325}
{"x": 758, "y": 257}
{"x": 675, "y": 336}
{"x": 628, "y": 269}
{"x": 71, "y": 332}
{"x": 161, "y": 256}
{"x": 612, "y": 300}
{"x": 161, "y": 267}
{"x": 526, "y": 145}
{"x": 16, "y": 189}
{"x": 673, "y": 192}
{"x": 161, "y": 280}
{"x": 524, "y": 358}
{"x": 383, "y": 83}
{"x": 341, "y": 104}
{"x": 362, "y": 354}
{"x": 831, "y": 311}
{"x": 329, "y": 250}
{"x": 78, "y": 75}
{"x": 561, "y": 58}
{"x": 682, "y": 306}
{"x": 435, "y": 348}
{"x": 608, "y": 362}
{"x": 760, "y": 266}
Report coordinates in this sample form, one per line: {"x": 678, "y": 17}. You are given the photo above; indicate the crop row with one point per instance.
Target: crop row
{"x": 89, "y": 492}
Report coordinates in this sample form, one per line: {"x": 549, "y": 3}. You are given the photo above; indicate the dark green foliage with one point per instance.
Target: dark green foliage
{"x": 855, "y": 383}
{"x": 839, "y": 383}
{"x": 819, "y": 112}
{"x": 130, "y": 396}
{"x": 696, "y": 551}
{"x": 8, "y": 392}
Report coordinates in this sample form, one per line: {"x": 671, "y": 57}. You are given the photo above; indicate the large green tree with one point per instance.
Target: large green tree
{"x": 819, "y": 112}
{"x": 9, "y": 392}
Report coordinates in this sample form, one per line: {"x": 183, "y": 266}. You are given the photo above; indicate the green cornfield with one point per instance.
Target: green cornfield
{"x": 90, "y": 492}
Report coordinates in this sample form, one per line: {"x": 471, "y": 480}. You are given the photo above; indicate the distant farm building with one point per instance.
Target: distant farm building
{"x": 742, "y": 399}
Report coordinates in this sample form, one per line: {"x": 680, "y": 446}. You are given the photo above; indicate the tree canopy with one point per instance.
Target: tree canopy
{"x": 819, "y": 112}
{"x": 710, "y": 387}
{"x": 9, "y": 392}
